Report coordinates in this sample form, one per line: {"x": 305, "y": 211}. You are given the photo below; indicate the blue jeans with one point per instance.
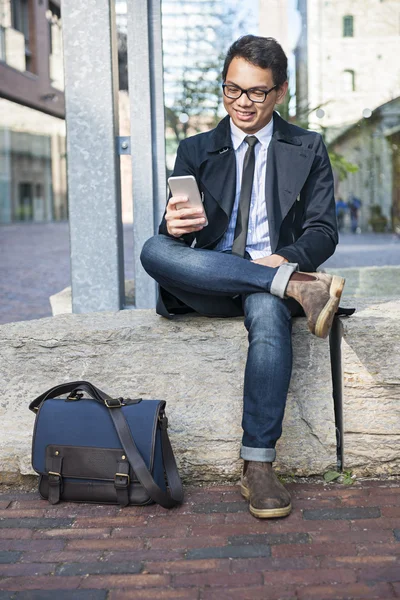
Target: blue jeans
{"x": 203, "y": 279}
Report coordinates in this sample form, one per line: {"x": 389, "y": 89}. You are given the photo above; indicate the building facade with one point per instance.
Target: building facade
{"x": 32, "y": 128}
{"x": 373, "y": 144}
{"x": 346, "y": 60}
{"x": 274, "y": 21}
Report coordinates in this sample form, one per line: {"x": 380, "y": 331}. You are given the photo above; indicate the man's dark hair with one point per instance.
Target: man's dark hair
{"x": 263, "y": 52}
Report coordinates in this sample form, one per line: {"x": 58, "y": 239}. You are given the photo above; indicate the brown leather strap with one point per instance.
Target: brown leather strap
{"x": 74, "y": 386}
{"x": 121, "y": 482}
{"x": 55, "y": 480}
{"x": 167, "y": 499}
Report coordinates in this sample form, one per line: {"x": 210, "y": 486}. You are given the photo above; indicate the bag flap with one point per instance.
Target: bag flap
{"x": 85, "y": 462}
{"x": 86, "y": 423}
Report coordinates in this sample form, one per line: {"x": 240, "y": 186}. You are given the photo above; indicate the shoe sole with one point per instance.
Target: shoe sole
{"x": 325, "y": 318}
{"x": 264, "y": 513}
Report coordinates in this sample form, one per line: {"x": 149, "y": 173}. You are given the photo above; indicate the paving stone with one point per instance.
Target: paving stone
{"x": 35, "y": 523}
{"x": 125, "y": 581}
{"x": 221, "y": 507}
{"x": 397, "y": 534}
{"x": 244, "y": 551}
{"x": 155, "y": 594}
{"x": 375, "y": 574}
{"x": 352, "y": 591}
{"x": 334, "y": 514}
{"x": 270, "y": 538}
{"x": 9, "y": 557}
{"x": 62, "y": 595}
{"x": 98, "y": 568}
{"x": 218, "y": 579}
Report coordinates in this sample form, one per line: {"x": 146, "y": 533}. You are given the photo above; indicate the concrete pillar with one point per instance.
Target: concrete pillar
{"x": 90, "y": 54}
{"x": 145, "y": 76}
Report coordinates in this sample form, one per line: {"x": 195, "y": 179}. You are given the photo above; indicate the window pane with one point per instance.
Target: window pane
{"x": 348, "y": 26}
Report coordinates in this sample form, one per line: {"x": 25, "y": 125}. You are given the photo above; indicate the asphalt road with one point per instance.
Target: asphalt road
{"x": 34, "y": 263}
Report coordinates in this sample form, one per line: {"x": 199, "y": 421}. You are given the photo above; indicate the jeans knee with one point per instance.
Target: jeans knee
{"x": 265, "y": 312}
{"x": 151, "y": 252}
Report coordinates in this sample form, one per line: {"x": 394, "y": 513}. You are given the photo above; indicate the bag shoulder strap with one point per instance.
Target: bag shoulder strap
{"x": 167, "y": 499}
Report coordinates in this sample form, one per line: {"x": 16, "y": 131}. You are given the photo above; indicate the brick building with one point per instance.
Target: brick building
{"x": 32, "y": 128}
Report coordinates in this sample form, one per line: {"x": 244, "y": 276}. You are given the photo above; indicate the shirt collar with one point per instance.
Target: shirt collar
{"x": 263, "y": 135}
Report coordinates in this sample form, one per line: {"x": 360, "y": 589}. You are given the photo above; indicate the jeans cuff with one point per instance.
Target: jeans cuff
{"x": 281, "y": 279}
{"x": 258, "y": 454}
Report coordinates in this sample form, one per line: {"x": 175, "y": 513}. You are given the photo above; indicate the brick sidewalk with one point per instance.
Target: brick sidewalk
{"x": 338, "y": 543}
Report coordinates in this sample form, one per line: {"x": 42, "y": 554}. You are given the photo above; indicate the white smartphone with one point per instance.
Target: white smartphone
{"x": 186, "y": 185}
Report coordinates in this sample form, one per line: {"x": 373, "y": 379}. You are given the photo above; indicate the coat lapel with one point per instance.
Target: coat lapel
{"x": 218, "y": 170}
{"x": 288, "y": 166}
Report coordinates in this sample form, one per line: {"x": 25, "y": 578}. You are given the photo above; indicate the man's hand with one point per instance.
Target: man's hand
{"x": 271, "y": 261}
{"x": 183, "y": 220}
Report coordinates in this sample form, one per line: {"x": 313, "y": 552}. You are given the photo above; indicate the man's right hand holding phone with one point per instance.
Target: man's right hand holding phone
{"x": 181, "y": 220}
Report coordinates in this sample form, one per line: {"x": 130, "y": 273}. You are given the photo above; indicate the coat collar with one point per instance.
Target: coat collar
{"x": 221, "y": 140}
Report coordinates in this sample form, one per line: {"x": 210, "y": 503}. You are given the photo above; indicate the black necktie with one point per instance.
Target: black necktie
{"x": 242, "y": 222}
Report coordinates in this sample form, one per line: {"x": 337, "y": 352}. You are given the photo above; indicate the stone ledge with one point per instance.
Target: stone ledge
{"x": 371, "y": 370}
{"x": 196, "y": 364}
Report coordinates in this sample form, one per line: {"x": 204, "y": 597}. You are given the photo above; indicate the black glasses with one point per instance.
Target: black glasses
{"x": 254, "y": 94}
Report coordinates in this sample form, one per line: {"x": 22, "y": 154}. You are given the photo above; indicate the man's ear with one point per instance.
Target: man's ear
{"x": 282, "y": 91}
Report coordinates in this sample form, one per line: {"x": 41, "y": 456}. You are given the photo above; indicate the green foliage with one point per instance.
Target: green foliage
{"x": 346, "y": 478}
{"x": 340, "y": 165}
{"x": 331, "y": 476}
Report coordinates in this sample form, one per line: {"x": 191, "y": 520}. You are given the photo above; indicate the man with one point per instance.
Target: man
{"x": 268, "y": 197}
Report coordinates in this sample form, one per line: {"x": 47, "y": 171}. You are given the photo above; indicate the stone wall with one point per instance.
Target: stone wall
{"x": 197, "y": 365}
{"x": 371, "y": 361}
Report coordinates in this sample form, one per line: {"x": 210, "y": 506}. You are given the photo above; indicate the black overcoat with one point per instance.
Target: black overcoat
{"x": 299, "y": 192}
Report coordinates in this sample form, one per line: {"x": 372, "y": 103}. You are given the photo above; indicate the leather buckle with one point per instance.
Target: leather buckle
{"x": 119, "y": 483}
{"x": 114, "y": 400}
{"x": 74, "y": 396}
{"x": 163, "y": 422}
{"x": 54, "y": 478}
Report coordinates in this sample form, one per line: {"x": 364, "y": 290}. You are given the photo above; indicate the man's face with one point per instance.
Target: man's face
{"x": 250, "y": 116}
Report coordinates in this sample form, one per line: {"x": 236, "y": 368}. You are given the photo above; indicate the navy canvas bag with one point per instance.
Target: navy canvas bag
{"x": 89, "y": 447}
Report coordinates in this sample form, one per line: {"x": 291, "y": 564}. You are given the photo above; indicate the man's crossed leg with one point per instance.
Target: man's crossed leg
{"x": 210, "y": 282}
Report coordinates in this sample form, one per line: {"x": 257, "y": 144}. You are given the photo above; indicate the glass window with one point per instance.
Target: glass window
{"x": 33, "y": 182}
{"x": 348, "y": 23}
{"x": 2, "y": 44}
{"x": 20, "y": 17}
{"x": 348, "y": 81}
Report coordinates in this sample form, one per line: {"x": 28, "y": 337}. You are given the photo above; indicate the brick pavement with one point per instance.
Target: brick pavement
{"x": 35, "y": 264}
{"x": 339, "y": 543}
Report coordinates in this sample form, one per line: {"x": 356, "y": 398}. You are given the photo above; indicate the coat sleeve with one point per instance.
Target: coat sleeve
{"x": 319, "y": 236}
{"x": 183, "y": 166}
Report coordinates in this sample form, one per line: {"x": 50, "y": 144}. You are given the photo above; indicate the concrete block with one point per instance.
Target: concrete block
{"x": 371, "y": 369}
{"x": 61, "y": 303}
{"x": 194, "y": 363}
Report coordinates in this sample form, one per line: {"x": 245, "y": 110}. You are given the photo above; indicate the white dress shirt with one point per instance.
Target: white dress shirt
{"x": 258, "y": 241}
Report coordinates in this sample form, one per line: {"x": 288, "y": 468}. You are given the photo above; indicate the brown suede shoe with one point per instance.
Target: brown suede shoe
{"x": 268, "y": 498}
{"x": 319, "y": 295}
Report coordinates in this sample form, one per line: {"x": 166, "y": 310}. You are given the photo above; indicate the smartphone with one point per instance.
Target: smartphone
{"x": 186, "y": 185}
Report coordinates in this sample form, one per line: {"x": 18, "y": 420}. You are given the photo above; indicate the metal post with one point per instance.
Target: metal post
{"x": 145, "y": 78}
{"x": 335, "y": 341}
{"x": 90, "y": 55}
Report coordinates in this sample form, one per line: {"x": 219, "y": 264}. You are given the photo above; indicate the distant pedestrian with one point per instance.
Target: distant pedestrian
{"x": 354, "y": 207}
{"x": 341, "y": 209}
